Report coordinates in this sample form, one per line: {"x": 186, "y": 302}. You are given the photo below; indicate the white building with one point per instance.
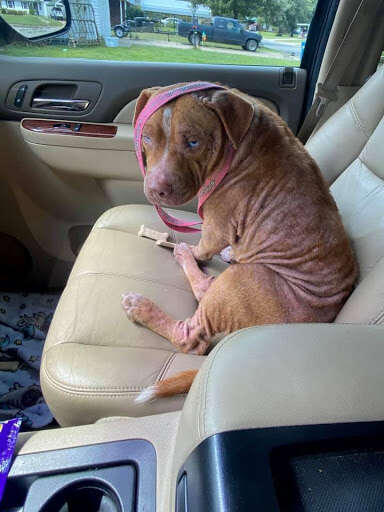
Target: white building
{"x": 39, "y": 6}
{"x": 177, "y": 8}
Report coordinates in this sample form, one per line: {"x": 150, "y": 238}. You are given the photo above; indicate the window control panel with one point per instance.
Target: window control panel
{"x": 105, "y": 131}
{"x": 20, "y": 94}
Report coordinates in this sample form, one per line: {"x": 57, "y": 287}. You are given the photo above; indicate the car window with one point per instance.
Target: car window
{"x": 159, "y": 31}
{"x": 220, "y": 24}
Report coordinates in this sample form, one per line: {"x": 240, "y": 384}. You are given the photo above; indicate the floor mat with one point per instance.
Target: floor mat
{"x": 24, "y": 323}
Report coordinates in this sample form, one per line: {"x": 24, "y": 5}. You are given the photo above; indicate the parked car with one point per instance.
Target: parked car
{"x": 221, "y": 30}
{"x": 142, "y": 21}
{"x": 171, "y": 21}
{"x": 124, "y": 28}
{"x": 57, "y": 13}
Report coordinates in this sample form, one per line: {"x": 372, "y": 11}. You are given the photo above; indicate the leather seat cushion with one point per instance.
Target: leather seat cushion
{"x": 95, "y": 360}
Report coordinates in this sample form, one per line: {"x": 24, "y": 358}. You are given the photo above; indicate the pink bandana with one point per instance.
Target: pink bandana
{"x": 211, "y": 183}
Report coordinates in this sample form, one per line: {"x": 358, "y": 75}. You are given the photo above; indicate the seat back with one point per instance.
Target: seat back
{"x": 349, "y": 148}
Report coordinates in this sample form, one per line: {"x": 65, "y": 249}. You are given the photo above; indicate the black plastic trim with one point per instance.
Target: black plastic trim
{"x": 238, "y": 470}
{"x": 26, "y": 469}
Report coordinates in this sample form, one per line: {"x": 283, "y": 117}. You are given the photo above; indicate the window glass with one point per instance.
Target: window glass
{"x": 267, "y": 33}
{"x": 219, "y": 24}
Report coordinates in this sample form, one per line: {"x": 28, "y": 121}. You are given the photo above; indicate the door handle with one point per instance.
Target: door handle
{"x": 60, "y": 105}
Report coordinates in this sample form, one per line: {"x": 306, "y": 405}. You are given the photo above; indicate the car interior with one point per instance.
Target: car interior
{"x": 280, "y": 417}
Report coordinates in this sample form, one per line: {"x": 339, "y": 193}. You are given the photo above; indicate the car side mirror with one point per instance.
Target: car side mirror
{"x": 39, "y": 21}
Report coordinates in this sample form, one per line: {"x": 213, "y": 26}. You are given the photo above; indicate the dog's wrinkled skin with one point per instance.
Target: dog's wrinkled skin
{"x": 293, "y": 259}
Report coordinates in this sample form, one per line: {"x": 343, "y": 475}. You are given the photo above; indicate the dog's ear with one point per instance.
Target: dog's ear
{"x": 142, "y": 101}
{"x": 235, "y": 113}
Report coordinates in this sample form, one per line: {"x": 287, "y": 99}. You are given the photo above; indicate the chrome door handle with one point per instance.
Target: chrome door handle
{"x": 62, "y": 105}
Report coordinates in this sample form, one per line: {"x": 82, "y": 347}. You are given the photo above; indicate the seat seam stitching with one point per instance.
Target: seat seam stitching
{"x": 165, "y": 367}
{"x": 173, "y": 233}
{"x": 79, "y": 390}
{"x": 130, "y": 276}
{"x": 378, "y": 318}
{"x": 358, "y": 121}
{"x": 116, "y": 229}
{"x": 72, "y": 342}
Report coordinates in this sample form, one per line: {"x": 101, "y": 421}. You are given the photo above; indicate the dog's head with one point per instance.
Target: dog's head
{"x": 184, "y": 141}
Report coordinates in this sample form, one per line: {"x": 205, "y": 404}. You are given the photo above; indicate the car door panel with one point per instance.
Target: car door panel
{"x": 122, "y": 82}
{"x": 61, "y": 183}
{"x": 101, "y": 158}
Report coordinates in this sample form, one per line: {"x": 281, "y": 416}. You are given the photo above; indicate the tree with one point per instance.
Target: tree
{"x": 131, "y": 11}
{"x": 232, "y": 8}
{"x": 284, "y": 14}
{"x": 298, "y": 11}
{"x": 272, "y": 12}
{"x": 194, "y": 5}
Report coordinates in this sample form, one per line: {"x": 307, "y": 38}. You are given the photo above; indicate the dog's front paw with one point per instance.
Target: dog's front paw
{"x": 182, "y": 253}
{"x": 137, "y": 307}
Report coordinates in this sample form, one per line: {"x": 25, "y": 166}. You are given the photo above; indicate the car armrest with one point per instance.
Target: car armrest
{"x": 285, "y": 375}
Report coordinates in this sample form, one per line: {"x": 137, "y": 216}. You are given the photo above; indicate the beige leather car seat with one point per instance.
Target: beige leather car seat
{"x": 96, "y": 361}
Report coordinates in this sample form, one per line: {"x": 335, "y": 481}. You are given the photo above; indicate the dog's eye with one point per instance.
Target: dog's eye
{"x": 193, "y": 143}
{"x": 147, "y": 139}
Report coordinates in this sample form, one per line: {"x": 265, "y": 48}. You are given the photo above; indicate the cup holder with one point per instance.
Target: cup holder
{"x": 95, "y": 478}
{"x": 84, "y": 495}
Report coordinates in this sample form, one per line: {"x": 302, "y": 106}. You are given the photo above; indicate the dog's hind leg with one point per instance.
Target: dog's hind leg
{"x": 188, "y": 335}
{"x": 199, "y": 281}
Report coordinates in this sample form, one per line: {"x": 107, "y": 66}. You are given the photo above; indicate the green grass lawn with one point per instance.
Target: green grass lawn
{"x": 32, "y": 21}
{"x": 153, "y": 36}
{"x": 283, "y": 37}
{"x": 146, "y": 54}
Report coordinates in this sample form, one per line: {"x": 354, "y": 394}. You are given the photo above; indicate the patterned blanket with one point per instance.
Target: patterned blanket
{"x": 24, "y": 322}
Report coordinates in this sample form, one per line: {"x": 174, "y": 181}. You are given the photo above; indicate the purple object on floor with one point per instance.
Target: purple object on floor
{"x": 8, "y": 435}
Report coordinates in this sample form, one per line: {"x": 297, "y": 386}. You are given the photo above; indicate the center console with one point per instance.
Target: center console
{"x": 279, "y": 418}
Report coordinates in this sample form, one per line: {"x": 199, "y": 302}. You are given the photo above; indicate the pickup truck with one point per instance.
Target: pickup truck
{"x": 221, "y": 30}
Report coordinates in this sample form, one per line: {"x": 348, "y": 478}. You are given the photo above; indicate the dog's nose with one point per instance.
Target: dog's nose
{"x": 161, "y": 188}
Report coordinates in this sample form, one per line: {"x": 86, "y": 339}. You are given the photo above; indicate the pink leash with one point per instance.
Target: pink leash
{"x": 211, "y": 183}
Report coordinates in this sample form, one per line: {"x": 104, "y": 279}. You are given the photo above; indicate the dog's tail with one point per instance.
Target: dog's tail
{"x": 179, "y": 383}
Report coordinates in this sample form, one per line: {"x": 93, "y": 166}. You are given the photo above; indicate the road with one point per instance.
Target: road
{"x": 292, "y": 49}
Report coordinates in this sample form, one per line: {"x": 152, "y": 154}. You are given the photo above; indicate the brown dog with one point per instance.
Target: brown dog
{"x": 293, "y": 259}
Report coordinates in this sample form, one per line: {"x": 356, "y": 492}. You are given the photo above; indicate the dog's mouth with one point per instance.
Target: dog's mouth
{"x": 168, "y": 201}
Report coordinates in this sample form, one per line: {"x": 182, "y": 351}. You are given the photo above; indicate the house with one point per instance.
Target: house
{"x": 175, "y": 8}
{"x": 37, "y": 6}
{"x": 117, "y": 11}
